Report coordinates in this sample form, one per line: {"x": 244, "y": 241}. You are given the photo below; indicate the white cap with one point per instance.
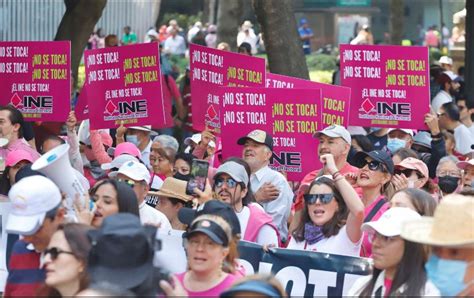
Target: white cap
{"x": 391, "y": 222}
{"x": 335, "y": 131}
{"x": 196, "y": 138}
{"x": 118, "y": 161}
{"x": 451, "y": 75}
{"x": 445, "y": 60}
{"x": 32, "y": 197}
{"x": 136, "y": 171}
{"x": 407, "y": 131}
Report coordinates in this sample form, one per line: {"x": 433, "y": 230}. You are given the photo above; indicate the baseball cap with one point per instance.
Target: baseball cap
{"x": 378, "y": 155}
{"x": 422, "y": 138}
{"x": 124, "y": 148}
{"x": 118, "y": 161}
{"x": 254, "y": 287}
{"x": 136, "y": 171}
{"x": 121, "y": 252}
{"x": 414, "y": 164}
{"x": 463, "y": 164}
{"x": 234, "y": 170}
{"x": 210, "y": 228}
{"x": 142, "y": 128}
{"x": 258, "y": 136}
{"x": 391, "y": 222}
{"x": 407, "y": 131}
{"x": 451, "y": 75}
{"x": 215, "y": 207}
{"x": 14, "y": 157}
{"x": 445, "y": 60}
{"x": 196, "y": 138}
{"x": 31, "y": 198}
{"x": 335, "y": 131}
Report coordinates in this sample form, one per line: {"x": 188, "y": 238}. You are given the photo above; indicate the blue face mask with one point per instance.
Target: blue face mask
{"x": 395, "y": 144}
{"x": 446, "y": 275}
{"x": 132, "y": 139}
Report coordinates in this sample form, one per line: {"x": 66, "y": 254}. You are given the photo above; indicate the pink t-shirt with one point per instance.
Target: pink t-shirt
{"x": 366, "y": 250}
{"x": 212, "y": 292}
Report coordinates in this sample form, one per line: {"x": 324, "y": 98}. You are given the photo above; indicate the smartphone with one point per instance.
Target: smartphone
{"x": 199, "y": 169}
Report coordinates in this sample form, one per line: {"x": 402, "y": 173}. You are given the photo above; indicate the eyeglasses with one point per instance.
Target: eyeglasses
{"x": 448, "y": 173}
{"x": 386, "y": 239}
{"x": 324, "y": 198}
{"x": 130, "y": 183}
{"x": 55, "y": 252}
{"x": 231, "y": 183}
{"x": 440, "y": 114}
{"x": 373, "y": 165}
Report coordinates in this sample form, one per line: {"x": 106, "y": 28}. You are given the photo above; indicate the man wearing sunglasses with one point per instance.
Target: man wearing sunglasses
{"x": 137, "y": 176}
{"x": 231, "y": 185}
{"x": 35, "y": 214}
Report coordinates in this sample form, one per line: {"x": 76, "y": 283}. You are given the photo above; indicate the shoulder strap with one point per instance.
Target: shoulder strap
{"x": 374, "y": 210}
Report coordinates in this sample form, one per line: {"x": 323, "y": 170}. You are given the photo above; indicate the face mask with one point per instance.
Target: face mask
{"x": 411, "y": 184}
{"x": 180, "y": 176}
{"x": 132, "y": 139}
{"x": 395, "y": 144}
{"x": 446, "y": 275}
{"x": 448, "y": 184}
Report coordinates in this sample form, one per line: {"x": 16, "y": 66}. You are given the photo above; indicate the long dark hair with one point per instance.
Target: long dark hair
{"x": 339, "y": 219}
{"x": 410, "y": 273}
{"x": 76, "y": 237}
{"x": 126, "y": 197}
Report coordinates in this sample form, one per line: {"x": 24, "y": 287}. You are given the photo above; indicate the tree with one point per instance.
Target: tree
{"x": 282, "y": 42}
{"x": 77, "y": 25}
{"x": 469, "y": 53}
{"x": 228, "y": 18}
{"x": 396, "y": 21}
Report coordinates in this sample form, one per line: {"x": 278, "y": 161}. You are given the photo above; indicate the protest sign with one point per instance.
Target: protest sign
{"x": 304, "y": 273}
{"x": 125, "y": 85}
{"x": 211, "y": 68}
{"x": 290, "y": 116}
{"x": 390, "y": 85}
{"x": 335, "y": 99}
{"x": 35, "y": 78}
{"x": 82, "y": 105}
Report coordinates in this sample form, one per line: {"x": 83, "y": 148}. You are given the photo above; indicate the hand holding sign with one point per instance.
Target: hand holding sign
{"x": 431, "y": 120}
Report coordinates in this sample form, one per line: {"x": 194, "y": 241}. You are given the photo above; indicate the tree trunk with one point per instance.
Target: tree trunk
{"x": 396, "y": 21}
{"x": 282, "y": 42}
{"x": 212, "y": 11}
{"x": 77, "y": 25}
{"x": 469, "y": 53}
{"x": 228, "y": 19}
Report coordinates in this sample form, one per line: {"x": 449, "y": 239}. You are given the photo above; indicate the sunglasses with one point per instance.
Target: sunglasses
{"x": 55, "y": 252}
{"x": 406, "y": 172}
{"x": 231, "y": 183}
{"x": 324, "y": 198}
{"x": 373, "y": 165}
{"x": 130, "y": 183}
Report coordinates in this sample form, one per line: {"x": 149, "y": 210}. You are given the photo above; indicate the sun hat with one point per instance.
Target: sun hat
{"x": 391, "y": 222}
{"x": 173, "y": 188}
{"x": 215, "y": 207}
{"x": 414, "y": 164}
{"x": 258, "y": 136}
{"x": 142, "y": 128}
{"x": 124, "y": 148}
{"x": 31, "y": 198}
{"x": 209, "y": 227}
{"x": 335, "y": 131}
{"x": 451, "y": 226}
{"x": 122, "y": 251}
{"x": 378, "y": 155}
{"x": 136, "y": 171}
{"x": 252, "y": 286}
{"x": 14, "y": 157}
{"x": 234, "y": 170}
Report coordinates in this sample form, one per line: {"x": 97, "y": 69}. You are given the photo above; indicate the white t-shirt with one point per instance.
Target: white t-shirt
{"x": 441, "y": 98}
{"x": 464, "y": 139}
{"x": 266, "y": 235}
{"x": 149, "y": 215}
{"x": 339, "y": 244}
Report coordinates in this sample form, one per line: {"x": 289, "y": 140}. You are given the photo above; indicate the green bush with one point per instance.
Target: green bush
{"x": 435, "y": 54}
{"x": 321, "y": 62}
{"x": 184, "y": 21}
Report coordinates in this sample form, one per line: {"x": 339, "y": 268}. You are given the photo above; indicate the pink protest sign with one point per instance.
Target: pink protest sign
{"x": 35, "y": 77}
{"x": 390, "y": 85}
{"x": 290, "y": 116}
{"x": 125, "y": 85}
{"x": 82, "y": 106}
{"x": 211, "y": 68}
{"x": 335, "y": 99}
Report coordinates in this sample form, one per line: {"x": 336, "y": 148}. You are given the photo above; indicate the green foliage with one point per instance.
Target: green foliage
{"x": 184, "y": 21}
{"x": 321, "y": 62}
{"x": 435, "y": 54}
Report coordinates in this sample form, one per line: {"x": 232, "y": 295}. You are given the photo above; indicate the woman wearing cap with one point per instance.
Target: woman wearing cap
{"x": 373, "y": 178}
{"x": 14, "y": 162}
{"x": 412, "y": 173}
{"x": 416, "y": 199}
{"x": 171, "y": 198}
{"x": 257, "y": 285}
{"x": 398, "y": 264}
{"x": 211, "y": 257}
{"x": 332, "y": 217}
{"x": 110, "y": 197}
{"x": 65, "y": 261}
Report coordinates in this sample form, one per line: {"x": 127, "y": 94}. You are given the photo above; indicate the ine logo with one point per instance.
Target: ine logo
{"x": 385, "y": 110}
{"x": 126, "y": 107}
{"x": 32, "y": 104}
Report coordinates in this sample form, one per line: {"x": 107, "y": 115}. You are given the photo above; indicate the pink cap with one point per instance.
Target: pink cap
{"x": 127, "y": 148}
{"x": 16, "y": 156}
{"x": 464, "y": 164}
{"x": 414, "y": 164}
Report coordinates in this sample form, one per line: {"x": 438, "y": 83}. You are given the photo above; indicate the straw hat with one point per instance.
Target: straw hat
{"x": 451, "y": 226}
{"x": 173, "y": 188}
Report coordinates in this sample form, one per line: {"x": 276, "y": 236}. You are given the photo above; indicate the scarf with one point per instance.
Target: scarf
{"x": 312, "y": 233}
